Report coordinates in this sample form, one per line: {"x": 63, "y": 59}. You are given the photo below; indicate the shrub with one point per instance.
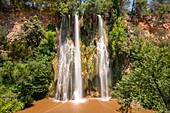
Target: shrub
{"x": 26, "y": 66}
{"x": 148, "y": 81}
{"x": 117, "y": 37}
{"x": 8, "y": 101}
{"x": 160, "y": 9}
{"x": 19, "y": 47}
{"x": 31, "y": 79}
{"x": 3, "y": 31}
{"x": 41, "y": 73}
{"x": 119, "y": 48}
{"x": 32, "y": 31}
{"x": 29, "y": 72}
{"x": 48, "y": 44}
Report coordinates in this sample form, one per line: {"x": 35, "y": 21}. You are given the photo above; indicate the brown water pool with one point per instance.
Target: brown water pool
{"x": 88, "y": 105}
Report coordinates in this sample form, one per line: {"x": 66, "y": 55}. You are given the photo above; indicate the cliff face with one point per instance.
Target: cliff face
{"x": 11, "y": 21}
{"x": 149, "y": 26}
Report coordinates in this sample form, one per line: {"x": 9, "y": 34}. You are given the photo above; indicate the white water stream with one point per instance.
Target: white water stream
{"x": 102, "y": 60}
{"x": 77, "y": 58}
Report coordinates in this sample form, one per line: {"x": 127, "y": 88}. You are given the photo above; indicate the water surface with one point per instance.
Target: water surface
{"x": 89, "y": 105}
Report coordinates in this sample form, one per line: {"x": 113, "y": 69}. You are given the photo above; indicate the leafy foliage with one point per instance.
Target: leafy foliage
{"x": 3, "y": 31}
{"x": 118, "y": 47}
{"x": 31, "y": 79}
{"x": 160, "y": 8}
{"x": 48, "y": 45}
{"x": 3, "y": 47}
{"x": 28, "y": 75}
{"x": 9, "y": 101}
{"x": 148, "y": 78}
{"x": 140, "y": 8}
{"x": 19, "y": 47}
{"x": 32, "y": 31}
{"x": 117, "y": 37}
{"x": 157, "y": 8}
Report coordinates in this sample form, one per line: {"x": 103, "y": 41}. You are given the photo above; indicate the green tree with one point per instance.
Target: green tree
{"x": 118, "y": 47}
{"x": 148, "y": 78}
{"x": 32, "y": 31}
{"x": 160, "y": 8}
{"x": 48, "y": 44}
{"x": 8, "y": 101}
{"x": 27, "y": 75}
{"x": 139, "y": 8}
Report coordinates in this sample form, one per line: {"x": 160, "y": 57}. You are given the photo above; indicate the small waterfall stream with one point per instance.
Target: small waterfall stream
{"x": 102, "y": 60}
{"x": 77, "y": 59}
{"x": 69, "y": 64}
{"x": 64, "y": 72}
{"x": 65, "y": 67}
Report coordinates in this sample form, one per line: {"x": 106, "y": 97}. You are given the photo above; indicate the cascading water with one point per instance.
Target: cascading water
{"x": 77, "y": 61}
{"x": 66, "y": 59}
{"x": 102, "y": 60}
{"x": 70, "y": 60}
{"x": 69, "y": 64}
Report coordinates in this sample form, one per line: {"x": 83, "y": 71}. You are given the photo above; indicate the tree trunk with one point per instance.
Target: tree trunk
{"x": 133, "y": 5}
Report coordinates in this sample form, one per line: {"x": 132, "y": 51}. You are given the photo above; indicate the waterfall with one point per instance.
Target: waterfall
{"x": 77, "y": 60}
{"x": 102, "y": 60}
{"x": 66, "y": 59}
{"x": 69, "y": 64}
